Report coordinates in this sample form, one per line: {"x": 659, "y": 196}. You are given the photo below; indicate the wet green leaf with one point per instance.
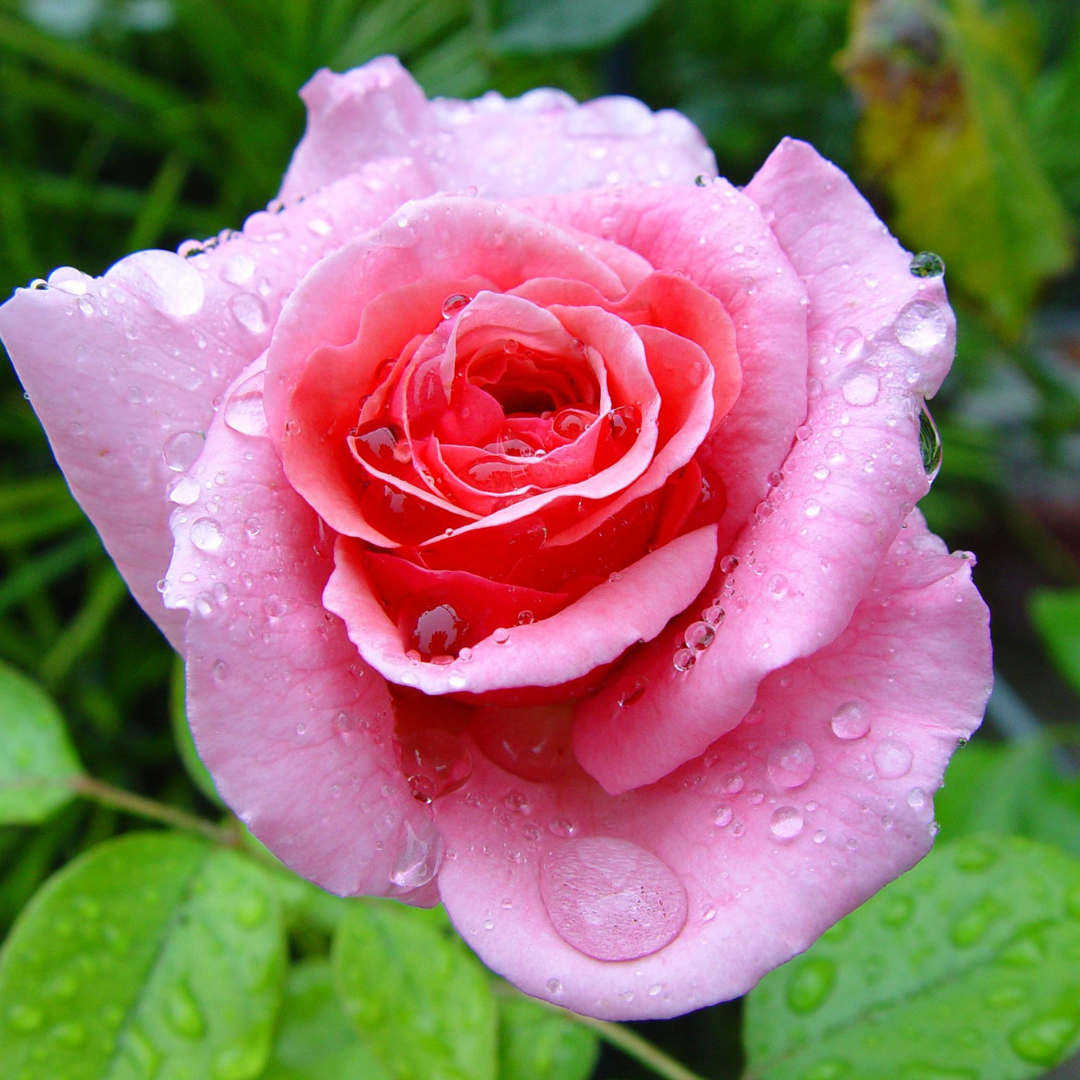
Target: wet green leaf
{"x": 315, "y": 1040}
{"x": 536, "y": 1041}
{"x": 36, "y": 756}
{"x": 151, "y": 955}
{"x": 966, "y": 968}
{"x": 419, "y": 999}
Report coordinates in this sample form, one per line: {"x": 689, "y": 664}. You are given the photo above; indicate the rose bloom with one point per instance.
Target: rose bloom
{"x": 534, "y": 512}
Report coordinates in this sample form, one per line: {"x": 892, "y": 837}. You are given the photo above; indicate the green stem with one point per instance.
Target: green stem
{"x": 620, "y": 1036}
{"x": 641, "y": 1050}
{"x": 98, "y": 791}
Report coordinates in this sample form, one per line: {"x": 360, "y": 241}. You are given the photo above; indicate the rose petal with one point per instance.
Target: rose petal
{"x": 589, "y": 633}
{"x": 296, "y": 729}
{"x": 851, "y": 477}
{"x": 539, "y": 143}
{"x": 768, "y": 857}
{"x": 123, "y": 370}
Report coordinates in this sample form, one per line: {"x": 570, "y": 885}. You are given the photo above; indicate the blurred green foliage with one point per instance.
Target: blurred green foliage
{"x": 138, "y": 123}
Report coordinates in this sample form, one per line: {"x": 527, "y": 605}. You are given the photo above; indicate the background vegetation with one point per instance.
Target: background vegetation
{"x": 127, "y": 124}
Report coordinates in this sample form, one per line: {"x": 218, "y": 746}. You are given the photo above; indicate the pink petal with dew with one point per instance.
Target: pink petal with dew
{"x": 633, "y": 606}
{"x": 445, "y": 238}
{"x": 296, "y": 729}
{"x": 853, "y": 473}
{"x": 686, "y": 892}
{"x": 124, "y": 370}
{"x": 541, "y": 143}
{"x": 718, "y": 238}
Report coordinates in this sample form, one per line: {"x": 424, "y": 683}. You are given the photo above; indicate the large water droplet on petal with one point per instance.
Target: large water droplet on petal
{"x": 850, "y": 721}
{"x": 181, "y": 450}
{"x": 244, "y": 411}
{"x": 207, "y": 534}
{"x": 786, "y": 822}
{"x": 861, "y": 389}
{"x": 611, "y": 899}
{"x": 927, "y": 264}
{"x": 250, "y": 312}
{"x": 892, "y": 759}
{"x": 920, "y": 326}
{"x": 418, "y": 861}
{"x": 434, "y": 762}
{"x": 929, "y": 443}
{"x": 163, "y": 280}
{"x": 532, "y": 742}
{"x": 790, "y": 763}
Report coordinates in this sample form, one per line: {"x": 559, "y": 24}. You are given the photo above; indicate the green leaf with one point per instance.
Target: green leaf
{"x": 1056, "y": 614}
{"x": 420, "y": 1000}
{"x": 536, "y": 1041}
{"x": 185, "y": 744}
{"x": 1013, "y": 788}
{"x": 944, "y": 125}
{"x": 539, "y": 26}
{"x": 151, "y": 955}
{"x": 967, "y": 968}
{"x": 315, "y": 1039}
{"x": 36, "y": 756}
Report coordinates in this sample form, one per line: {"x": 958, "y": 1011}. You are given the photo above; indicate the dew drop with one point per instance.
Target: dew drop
{"x": 684, "y": 659}
{"x": 453, "y": 304}
{"x": 244, "y": 407}
{"x": 250, "y": 312}
{"x": 207, "y": 534}
{"x": 320, "y": 226}
{"x": 790, "y": 764}
{"x": 1044, "y": 1040}
{"x": 181, "y": 450}
{"x": 927, "y": 265}
{"x": 500, "y": 635}
{"x": 786, "y": 822}
{"x": 892, "y": 759}
{"x": 182, "y": 1012}
{"x": 434, "y": 762}
{"x": 811, "y": 508}
{"x": 419, "y": 859}
{"x": 777, "y": 586}
{"x": 237, "y": 269}
{"x": 553, "y": 986}
{"x": 929, "y": 443}
{"x": 861, "y": 389}
{"x": 274, "y": 606}
{"x": 850, "y": 721}
{"x": 916, "y": 798}
{"x": 722, "y": 816}
{"x": 848, "y": 343}
{"x": 186, "y": 491}
{"x": 920, "y": 326}
{"x": 163, "y": 280}
{"x": 728, "y": 563}
{"x": 699, "y": 636}
{"x": 611, "y": 899}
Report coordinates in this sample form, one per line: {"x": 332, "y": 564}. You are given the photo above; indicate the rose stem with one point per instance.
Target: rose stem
{"x": 620, "y": 1036}
{"x": 98, "y": 791}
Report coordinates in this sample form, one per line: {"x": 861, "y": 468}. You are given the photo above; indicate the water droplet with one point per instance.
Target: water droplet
{"x": 811, "y": 508}
{"x": 562, "y": 827}
{"x": 275, "y": 606}
{"x": 701, "y": 180}
{"x": 684, "y": 659}
{"x": 250, "y": 312}
{"x": 453, "y": 304}
{"x": 631, "y": 694}
{"x": 219, "y": 671}
{"x": 161, "y": 279}
{"x": 791, "y": 763}
{"x": 810, "y": 984}
{"x": 920, "y": 326}
{"x": 861, "y": 389}
{"x": 786, "y": 822}
{"x": 699, "y": 636}
{"x": 1044, "y": 1040}
{"x": 611, "y": 899}
{"x": 850, "y": 721}
{"x": 916, "y": 798}
{"x": 181, "y": 450}
{"x": 237, "y": 269}
{"x": 713, "y": 615}
{"x": 927, "y": 264}
{"x": 728, "y": 563}
{"x": 244, "y": 407}
{"x": 500, "y": 635}
{"x": 722, "y": 816}
{"x": 929, "y": 443}
{"x": 24, "y": 1018}
{"x": 207, "y": 534}
{"x": 848, "y": 343}
{"x": 820, "y": 836}
{"x": 804, "y": 432}
{"x": 182, "y": 1012}
{"x": 777, "y": 586}
{"x": 419, "y": 859}
{"x": 892, "y": 759}
{"x": 434, "y": 762}
{"x": 553, "y": 986}
{"x": 185, "y": 492}
{"x": 320, "y": 226}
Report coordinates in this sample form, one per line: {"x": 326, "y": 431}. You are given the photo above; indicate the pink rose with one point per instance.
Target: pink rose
{"x": 537, "y": 524}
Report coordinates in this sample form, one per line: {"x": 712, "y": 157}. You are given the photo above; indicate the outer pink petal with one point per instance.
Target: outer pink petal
{"x": 541, "y": 143}
{"x": 296, "y": 729}
{"x": 879, "y": 339}
{"x": 767, "y": 862}
{"x": 550, "y": 652}
{"x": 117, "y": 366}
